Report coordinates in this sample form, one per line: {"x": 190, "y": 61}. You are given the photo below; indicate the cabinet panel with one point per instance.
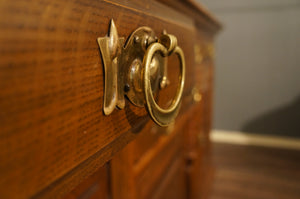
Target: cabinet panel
{"x": 94, "y": 187}
{"x": 140, "y": 178}
{"x": 53, "y": 130}
{"x": 174, "y": 185}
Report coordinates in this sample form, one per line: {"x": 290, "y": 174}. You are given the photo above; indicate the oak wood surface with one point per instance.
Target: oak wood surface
{"x": 94, "y": 187}
{"x": 243, "y": 171}
{"x": 141, "y": 177}
{"x": 53, "y": 131}
{"x": 199, "y": 165}
{"x": 173, "y": 185}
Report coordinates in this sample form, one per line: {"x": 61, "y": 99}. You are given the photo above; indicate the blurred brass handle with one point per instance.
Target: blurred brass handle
{"x": 161, "y": 116}
{"x": 138, "y": 69}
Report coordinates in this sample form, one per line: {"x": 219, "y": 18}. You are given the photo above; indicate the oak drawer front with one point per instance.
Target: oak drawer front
{"x": 156, "y": 163}
{"x": 134, "y": 178}
{"x": 173, "y": 185}
{"x": 94, "y": 187}
{"x": 152, "y": 135}
{"x": 53, "y": 130}
{"x": 147, "y": 166}
{"x": 200, "y": 117}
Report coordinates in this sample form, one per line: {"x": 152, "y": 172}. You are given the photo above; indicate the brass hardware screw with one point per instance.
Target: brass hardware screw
{"x": 126, "y": 88}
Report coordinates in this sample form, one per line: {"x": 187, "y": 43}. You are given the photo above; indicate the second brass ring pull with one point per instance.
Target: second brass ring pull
{"x": 162, "y": 116}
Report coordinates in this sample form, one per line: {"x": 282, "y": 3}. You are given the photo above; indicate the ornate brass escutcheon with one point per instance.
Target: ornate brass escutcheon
{"x": 138, "y": 69}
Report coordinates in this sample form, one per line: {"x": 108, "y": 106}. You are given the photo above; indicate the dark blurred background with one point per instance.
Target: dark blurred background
{"x": 257, "y": 75}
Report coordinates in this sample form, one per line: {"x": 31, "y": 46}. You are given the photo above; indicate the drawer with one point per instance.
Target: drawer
{"x": 94, "y": 187}
{"x": 199, "y": 123}
{"x": 152, "y": 168}
{"x": 200, "y": 173}
{"x": 53, "y": 130}
{"x": 137, "y": 174}
{"x": 174, "y": 184}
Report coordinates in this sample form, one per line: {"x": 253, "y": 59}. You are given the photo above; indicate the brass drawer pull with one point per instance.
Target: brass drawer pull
{"x": 136, "y": 70}
{"x": 163, "y": 116}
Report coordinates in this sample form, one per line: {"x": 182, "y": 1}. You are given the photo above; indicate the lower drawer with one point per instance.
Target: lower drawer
{"x": 174, "y": 184}
{"x": 152, "y": 161}
{"x": 53, "y": 132}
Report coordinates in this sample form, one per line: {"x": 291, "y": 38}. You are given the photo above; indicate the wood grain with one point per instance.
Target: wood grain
{"x": 255, "y": 172}
{"x": 94, "y": 187}
{"x": 53, "y": 131}
{"x": 199, "y": 167}
{"x": 173, "y": 185}
{"x": 140, "y": 175}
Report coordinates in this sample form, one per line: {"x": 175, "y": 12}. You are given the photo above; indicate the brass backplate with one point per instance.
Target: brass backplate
{"x": 137, "y": 68}
{"x": 123, "y": 67}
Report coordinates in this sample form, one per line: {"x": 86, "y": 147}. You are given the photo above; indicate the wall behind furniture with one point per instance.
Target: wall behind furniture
{"x": 257, "y": 82}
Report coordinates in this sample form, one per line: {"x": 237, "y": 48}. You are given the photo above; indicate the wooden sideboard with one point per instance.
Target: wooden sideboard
{"x": 55, "y": 140}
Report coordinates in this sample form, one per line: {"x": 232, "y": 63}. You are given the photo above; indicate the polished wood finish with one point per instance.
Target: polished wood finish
{"x": 197, "y": 145}
{"x": 53, "y": 132}
{"x": 203, "y": 20}
{"x": 174, "y": 183}
{"x": 199, "y": 168}
{"x": 138, "y": 175}
{"x": 94, "y": 187}
{"x": 243, "y": 171}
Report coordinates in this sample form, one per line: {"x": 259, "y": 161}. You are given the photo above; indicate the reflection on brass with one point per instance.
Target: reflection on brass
{"x": 138, "y": 69}
{"x": 111, "y": 47}
{"x": 166, "y": 46}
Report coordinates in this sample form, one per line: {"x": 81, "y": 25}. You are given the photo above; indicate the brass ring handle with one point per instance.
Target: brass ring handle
{"x": 161, "y": 116}
{"x": 133, "y": 68}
